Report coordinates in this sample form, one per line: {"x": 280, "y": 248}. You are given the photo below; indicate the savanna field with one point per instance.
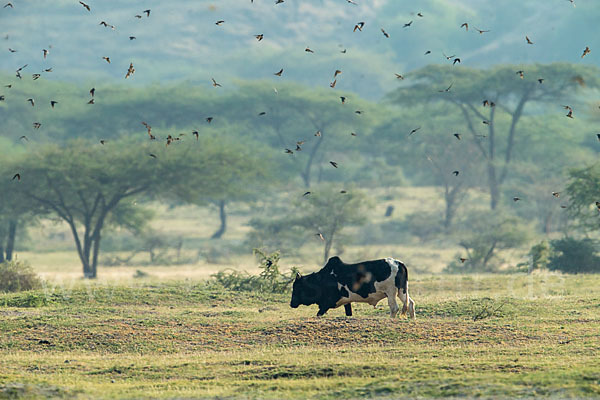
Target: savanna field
{"x": 186, "y": 185}
{"x": 476, "y": 336}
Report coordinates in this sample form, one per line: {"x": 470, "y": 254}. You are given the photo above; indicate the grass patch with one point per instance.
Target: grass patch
{"x": 183, "y": 339}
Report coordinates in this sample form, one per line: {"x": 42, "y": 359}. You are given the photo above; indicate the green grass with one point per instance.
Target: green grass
{"x": 195, "y": 339}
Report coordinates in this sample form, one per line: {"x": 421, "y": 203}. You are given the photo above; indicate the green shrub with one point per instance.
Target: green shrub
{"x": 270, "y": 279}
{"x": 483, "y": 236}
{"x": 16, "y": 276}
{"x": 540, "y": 256}
{"x": 573, "y": 256}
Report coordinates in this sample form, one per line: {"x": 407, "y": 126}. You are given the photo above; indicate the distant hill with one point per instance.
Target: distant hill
{"x": 180, "y": 40}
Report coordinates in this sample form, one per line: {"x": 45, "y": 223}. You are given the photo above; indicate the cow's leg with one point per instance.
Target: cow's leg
{"x": 411, "y": 307}
{"x": 322, "y": 310}
{"x": 408, "y": 303}
{"x": 393, "y": 304}
{"x": 348, "y": 309}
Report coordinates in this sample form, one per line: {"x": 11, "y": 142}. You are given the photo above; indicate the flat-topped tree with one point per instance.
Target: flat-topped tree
{"x": 84, "y": 183}
{"x": 295, "y": 114}
{"x": 219, "y": 171}
{"x": 508, "y": 91}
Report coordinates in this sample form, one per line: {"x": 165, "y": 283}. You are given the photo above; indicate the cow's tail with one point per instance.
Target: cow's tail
{"x": 401, "y": 283}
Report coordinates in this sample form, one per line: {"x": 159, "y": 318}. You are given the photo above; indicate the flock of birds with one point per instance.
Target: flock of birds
{"x": 259, "y": 37}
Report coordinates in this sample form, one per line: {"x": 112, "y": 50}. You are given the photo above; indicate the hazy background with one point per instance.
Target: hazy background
{"x": 178, "y": 49}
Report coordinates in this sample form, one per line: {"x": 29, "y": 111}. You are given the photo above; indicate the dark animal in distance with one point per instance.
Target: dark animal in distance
{"x": 338, "y": 283}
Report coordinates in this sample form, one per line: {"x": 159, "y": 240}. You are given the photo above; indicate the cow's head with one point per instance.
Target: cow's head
{"x": 306, "y": 290}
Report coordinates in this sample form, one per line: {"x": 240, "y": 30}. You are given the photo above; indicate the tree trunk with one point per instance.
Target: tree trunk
{"x": 489, "y": 255}
{"x": 96, "y": 250}
{"x": 223, "y": 216}
{"x": 449, "y": 212}
{"x": 493, "y": 185}
{"x": 1, "y": 253}
{"x": 10, "y": 241}
{"x": 307, "y": 169}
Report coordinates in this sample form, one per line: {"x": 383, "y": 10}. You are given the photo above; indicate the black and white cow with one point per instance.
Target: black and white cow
{"x": 338, "y": 283}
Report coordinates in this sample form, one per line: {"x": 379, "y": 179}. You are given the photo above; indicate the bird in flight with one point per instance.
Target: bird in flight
{"x": 279, "y": 72}
{"x": 132, "y": 38}
{"x": 336, "y": 73}
{"x": 414, "y": 131}
{"x": 12, "y": 50}
{"x": 586, "y": 51}
{"x": 8, "y": 5}
{"x": 334, "y": 164}
{"x": 385, "y": 33}
{"x": 332, "y": 84}
{"x": 85, "y": 6}
{"x": 45, "y": 52}
{"x": 515, "y": 199}
{"x": 107, "y": 59}
{"x": 541, "y": 80}
{"x": 457, "y": 135}
{"x": 147, "y": 12}
{"x": 53, "y": 103}
{"x": 466, "y": 26}
{"x": 259, "y": 37}
{"x": 398, "y": 76}
{"x": 447, "y": 89}
{"x": 407, "y": 24}
{"x": 455, "y": 173}
{"x": 36, "y": 125}
{"x": 91, "y": 101}
{"x": 556, "y": 194}
{"x": 92, "y": 91}
{"x": 481, "y": 32}
{"x": 220, "y": 22}
{"x": 570, "y": 113}
{"x": 528, "y": 40}
{"x": 17, "y": 177}
{"x": 521, "y": 74}
{"x": 214, "y": 83}
{"x": 130, "y": 71}
{"x": 358, "y": 26}
{"x": 32, "y": 102}
{"x": 308, "y": 50}
{"x": 343, "y": 99}
{"x": 24, "y": 137}
{"x": 104, "y": 23}
{"x": 209, "y": 119}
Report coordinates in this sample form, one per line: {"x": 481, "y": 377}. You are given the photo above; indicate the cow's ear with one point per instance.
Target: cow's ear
{"x": 298, "y": 276}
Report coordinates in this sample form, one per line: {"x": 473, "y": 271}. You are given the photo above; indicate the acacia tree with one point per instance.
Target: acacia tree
{"x": 220, "y": 172}
{"x": 83, "y": 184}
{"x": 509, "y": 93}
{"x": 326, "y": 212}
{"x": 296, "y": 114}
